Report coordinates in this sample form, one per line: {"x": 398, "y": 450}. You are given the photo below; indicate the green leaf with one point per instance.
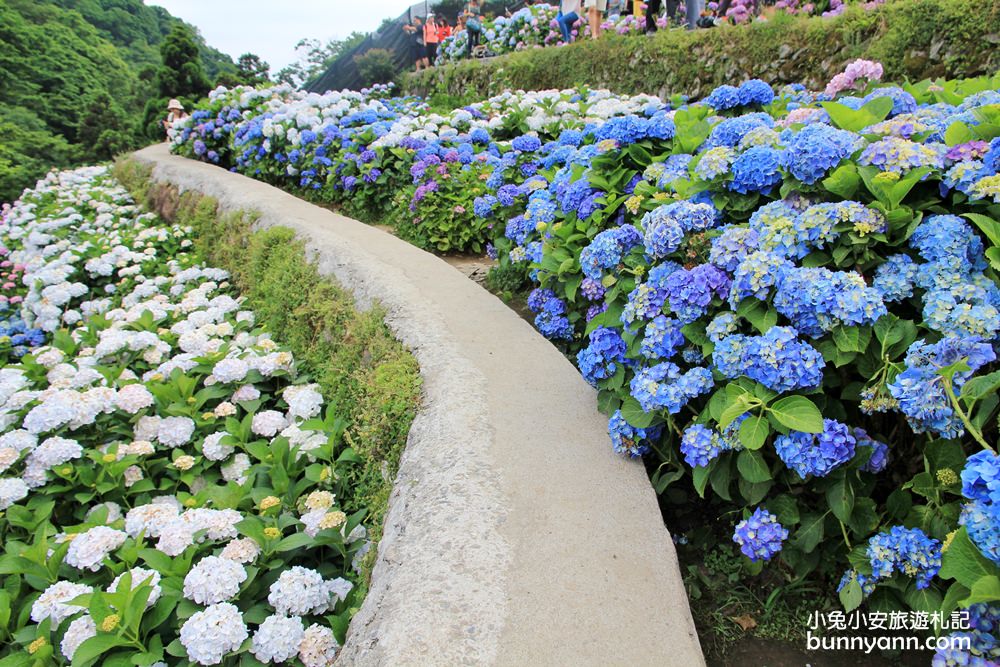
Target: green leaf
{"x": 953, "y": 597}
{"x": 752, "y": 467}
{"x": 294, "y": 541}
{"x": 963, "y": 562}
{"x": 93, "y": 648}
{"x": 810, "y": 532}
{"x": 844, "y": 181}
{"x": 979, "y": 387}
{"x": 699, "y": 477}
{"x": 986, "y": 589}
{"x": 797, "y": 413}
{"x": 633, "y": 413}
{"x": 988, "y": 226}
{"x": 928, "y": 599}
{"x": 958, "y": 133}
{"x": 754, "y": 431}
{"x": 851, "y": 595}
{"x": 840, "y": 497}
{"x": 733, "y": 412}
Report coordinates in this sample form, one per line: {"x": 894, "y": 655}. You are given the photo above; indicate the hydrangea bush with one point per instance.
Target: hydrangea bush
{"x": 787, "y": 300}
{"x": 170, "y": 480}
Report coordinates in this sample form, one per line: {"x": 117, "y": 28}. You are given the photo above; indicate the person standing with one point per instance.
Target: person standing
{"x": 691, "y": 10}
{"x": 473, "y": 25}
{"x": 569, "y": 13}
{"x": 444, "y": 30}
{"x": 431, "y": 38}
{"x": 416, "y": 31}
{"x": 595, "y": 12}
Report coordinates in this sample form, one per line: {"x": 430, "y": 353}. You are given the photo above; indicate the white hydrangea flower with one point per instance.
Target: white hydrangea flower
{"x": 90, "y": 548}
{"x": 79, "y": 631}
{"x": 277, "y": 639}
{"x": 216, "y": 524}
{"x": 175, "y": 537}
{"x": 12, "y": 490}
{"x": 300, "y": 591}
{"x": 18, "y": 439}
{"x": 150, "y": 518}
{"x": 236, "y": 470}
{"x": 8, "y": 457}
{"x": 210, "y": 634}
{"x": 318, "y": 647}
{"x": 52, "y": 603}
{"x": 132, "y": 475}
{"x": 224, "y": 409}
{"x": 231, "y": 370}
{"x": 304, "y": 401}
{"x": 268, "y": 423}
{"x": 175, "y": 431}
{"x": 214, "y": 580}
{"x": 242, "y": 550}
{"x": 247, "y": 392}
{"x": 114, "y": 511}
{"x": 146, "y": 428}
{"x": 133, "y": 397}
{"x": 213, "y": 450}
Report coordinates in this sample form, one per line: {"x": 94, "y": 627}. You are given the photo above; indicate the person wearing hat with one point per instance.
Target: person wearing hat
{"x": 175, "y": 112}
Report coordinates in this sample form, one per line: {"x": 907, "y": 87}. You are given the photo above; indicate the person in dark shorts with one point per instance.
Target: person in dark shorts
{"x": 416, "y": 31}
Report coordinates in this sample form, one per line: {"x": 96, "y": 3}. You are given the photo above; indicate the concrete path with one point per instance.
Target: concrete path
{"x": 515, "y": 536}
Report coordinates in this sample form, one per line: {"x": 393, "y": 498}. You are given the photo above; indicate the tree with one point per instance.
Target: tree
{"x": 251, "y": 70}
{"x": 104, "y": 130}
{"x": 181, "y": 74}
{"x": 316, "y": 57}
{"x": 376, "y": 66}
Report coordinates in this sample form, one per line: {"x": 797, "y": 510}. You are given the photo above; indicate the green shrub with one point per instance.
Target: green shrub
{"x": 376, "y": 66}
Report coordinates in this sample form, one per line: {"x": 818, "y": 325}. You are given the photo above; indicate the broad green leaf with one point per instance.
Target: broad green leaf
{"x": 851, "y": 595}
{"x": 754, "y": 431}
{"x": 986, "y": 589}
{"x": 963, "y": 562}
{"x": 752, "y": 467}
{"x": 840, "y": 498}
{"x": 810, "y": 532}
{"x": 633, "y": 413}
{"x": 797, "y": 413}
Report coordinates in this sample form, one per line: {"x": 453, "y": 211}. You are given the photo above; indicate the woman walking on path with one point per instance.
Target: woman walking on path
{"x": 569, "y": 13}
{"x": 473, "y": 25}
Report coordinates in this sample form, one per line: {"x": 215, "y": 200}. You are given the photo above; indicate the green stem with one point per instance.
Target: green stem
{"x": 964, "y": 417}
{"x": 843, "y": 530}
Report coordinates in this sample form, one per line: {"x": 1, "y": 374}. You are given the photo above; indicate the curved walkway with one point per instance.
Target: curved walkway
{"x": 514, "y": 534}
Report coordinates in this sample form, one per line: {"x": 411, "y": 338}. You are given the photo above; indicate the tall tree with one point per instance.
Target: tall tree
{"x": 315, "y": 57}
{"x": 180, "y": 74}
{"x": 251, "y": 70}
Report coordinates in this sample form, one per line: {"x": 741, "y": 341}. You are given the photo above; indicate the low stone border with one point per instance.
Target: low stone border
{"x": 514, "y": 534}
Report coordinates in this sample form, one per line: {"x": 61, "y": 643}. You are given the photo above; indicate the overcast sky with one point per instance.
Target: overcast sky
{"x": 270, "y": 28}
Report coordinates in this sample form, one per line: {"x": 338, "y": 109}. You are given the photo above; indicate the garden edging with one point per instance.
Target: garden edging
{"x": 514, "y": 534}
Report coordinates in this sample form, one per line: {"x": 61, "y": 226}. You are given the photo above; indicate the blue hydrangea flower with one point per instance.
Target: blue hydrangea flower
{"x": 732, "y": 247}
{"x": 817, "y": 300}
{"x": 690, "y": 291}
{"x": 700, "y": 445}
{"x": 526, "y": 143}
{"x": 894, "y": 278}
{"x": 982, "y": 522}
{"x": 483, "y": 206}
{"x": 760, "y": 537}
{"x": 541, "y": 207}
{"x": 907, "y": 551}
{"x": 730, "y": 132}
{"x": 623, "y": 129}
{"x": 981, "y": 477}
{"x": 663, "y": 233}
{"x": 663, "y": 386}
{"x": 600, "y": 359}
{"x": 879, "y": 458}
{"x": 714, "y": 162}
{"x": 724, "y": 97}
{"x": 817, "y": 149}
{"x": 629, "y": 440}
{"x": 777, "y": 360}
{"x": 902, "y": 101}
{"x": 919, "y": 389}
{"x": 755, "y": 170}
{"x": 662, "y": 338}
{"x": 964, "y": 310}
{"x": 867, "y": 583}
{"x": 900, "y": 155}
{"x": 607, "y": 250}
{"x": 816, "y": 454}
{"x": 592, "y": 290}
{"x": 778, "y": 229}
{"x": 755, "y": 91}
{"x": 722, "y": 325}
{"x": 756, "y": 275}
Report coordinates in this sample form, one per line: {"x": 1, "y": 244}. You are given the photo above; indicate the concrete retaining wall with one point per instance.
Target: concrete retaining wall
{"x": 514, "y": 535}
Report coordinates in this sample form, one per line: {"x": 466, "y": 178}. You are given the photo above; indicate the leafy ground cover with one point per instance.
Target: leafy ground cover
{"x": 176, "y": 485}
{"x": 786, "y": 299}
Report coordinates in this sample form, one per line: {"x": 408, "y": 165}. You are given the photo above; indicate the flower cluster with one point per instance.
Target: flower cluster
{"x": 182, "y": 431}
